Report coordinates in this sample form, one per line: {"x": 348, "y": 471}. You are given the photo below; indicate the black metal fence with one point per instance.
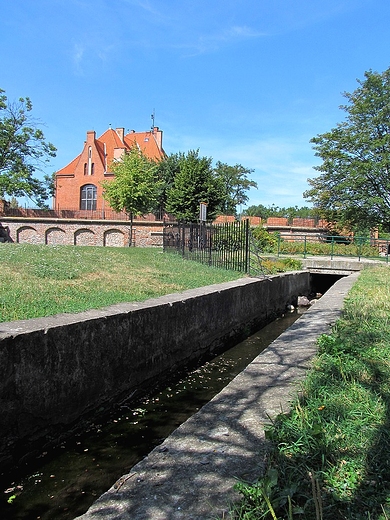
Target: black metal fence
{"x": 222, "y": 245}
{"x": 232, "y": 246}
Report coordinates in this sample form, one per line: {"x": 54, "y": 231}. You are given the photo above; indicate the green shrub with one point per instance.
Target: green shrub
{"x": 266, "y": 242}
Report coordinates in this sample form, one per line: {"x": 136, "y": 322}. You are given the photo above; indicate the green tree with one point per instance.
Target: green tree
{"x": 354, "y": 185}
{"x": 194, "y": 183}
{"x": 274, "y": 211}
{"x": 257, "y": 211}
{"x": 23, "y": 151}
{"x": 167, "y": 169}
{"x": 135, "y": 187}
{"x": 267, "y": 242}
{"x": 235, "y": 184}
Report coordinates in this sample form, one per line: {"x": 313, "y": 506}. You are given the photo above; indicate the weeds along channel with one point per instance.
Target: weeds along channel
{"x": 331, "y": 453}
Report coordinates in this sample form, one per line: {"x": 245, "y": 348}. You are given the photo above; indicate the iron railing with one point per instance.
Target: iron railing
{"x": 73, "y": 213}
{"x": 232, "y": 245}
{"x": 333, "y": 246}
{"x": 222, "y": 245}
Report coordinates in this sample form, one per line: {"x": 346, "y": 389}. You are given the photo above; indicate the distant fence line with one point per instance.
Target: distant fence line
{"x": 109, "y": 214}
{"x": 226, "y": 243}
{"x": 333, "y": 246}
{"x": 97, "y": 214}
{"x": 231, "y": 245}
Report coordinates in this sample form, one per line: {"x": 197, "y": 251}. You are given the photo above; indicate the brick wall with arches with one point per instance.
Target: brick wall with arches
{"x": 83, "y": 233}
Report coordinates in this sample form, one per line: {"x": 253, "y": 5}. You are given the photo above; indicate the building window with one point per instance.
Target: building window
{"x": 85, "y": 168}
{"x": 88, "y": 197}
{"x": 92, "y": 168}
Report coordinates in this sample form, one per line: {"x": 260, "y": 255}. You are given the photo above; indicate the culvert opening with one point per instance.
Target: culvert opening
{"x": 320, "y": 283}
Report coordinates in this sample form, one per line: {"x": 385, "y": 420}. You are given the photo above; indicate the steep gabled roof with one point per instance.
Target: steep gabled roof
{"x": 69, "y": 168}
{"x": 112, "y": 140}
{"x": 150, "y": 143}
{"x": 146, "y": 142}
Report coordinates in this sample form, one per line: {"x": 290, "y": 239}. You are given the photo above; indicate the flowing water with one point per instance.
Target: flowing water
{"x": 63, "y": 483}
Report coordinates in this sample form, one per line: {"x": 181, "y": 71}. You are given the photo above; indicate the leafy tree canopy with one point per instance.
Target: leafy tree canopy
{"x": 274, "y": 211}
{"x": 354, "y": 185}
{"x": 235, "y": 183}
{"x": 167, "y": 169}
{"x": 194, "y": 183}
{"x": 23, "y": 151}
{"x": 135, "y": 187}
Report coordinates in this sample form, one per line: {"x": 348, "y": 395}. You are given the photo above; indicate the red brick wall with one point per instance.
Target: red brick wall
{"x": 221, "y": 219}
{"x": 254, "y": 221}
{"x": 304, "y": 222}
{"x": 277, "y": 221}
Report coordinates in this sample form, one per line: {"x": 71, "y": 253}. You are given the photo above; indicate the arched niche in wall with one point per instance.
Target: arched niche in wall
{"x": 56, "y": 236}
{"x": 28, "y": 235}
{"x": 114, "y": 238}
{"x": 84, "y": 237}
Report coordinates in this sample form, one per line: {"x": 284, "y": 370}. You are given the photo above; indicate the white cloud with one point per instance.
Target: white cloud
{"x": 281, "y": 165}
{"x": 78, "y": 55}
{"x": 213, "y": 41}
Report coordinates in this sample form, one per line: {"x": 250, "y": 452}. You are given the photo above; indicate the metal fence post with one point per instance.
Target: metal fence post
{"x": 247, "y": 261}
{"x": 183, "y": 239}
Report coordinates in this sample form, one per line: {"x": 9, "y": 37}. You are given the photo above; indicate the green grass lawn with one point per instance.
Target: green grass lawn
{"x": 38, "y": 281}
{"x": 331, "y": 453}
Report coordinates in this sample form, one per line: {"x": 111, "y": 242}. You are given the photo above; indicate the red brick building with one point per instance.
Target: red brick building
{"x": 78, "y": 185}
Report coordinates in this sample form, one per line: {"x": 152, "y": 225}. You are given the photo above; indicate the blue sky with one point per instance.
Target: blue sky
{"x": 245, "y": 81}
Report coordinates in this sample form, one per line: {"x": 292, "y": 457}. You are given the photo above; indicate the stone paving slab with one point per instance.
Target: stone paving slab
{"x": 192, "y": 474}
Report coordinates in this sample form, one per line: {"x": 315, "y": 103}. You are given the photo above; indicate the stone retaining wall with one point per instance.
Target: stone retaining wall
{"x": 57, "y": 371}
{"x": 82, "y": 232}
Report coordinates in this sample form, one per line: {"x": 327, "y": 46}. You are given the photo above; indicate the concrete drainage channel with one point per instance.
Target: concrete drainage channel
{"x": 191, "y": 475}
{"x": 64, "y": 482}
{"x": 60, "y": 372}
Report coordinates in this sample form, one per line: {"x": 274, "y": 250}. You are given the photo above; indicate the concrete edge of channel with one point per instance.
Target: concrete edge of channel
{"x": 192, "y": 474}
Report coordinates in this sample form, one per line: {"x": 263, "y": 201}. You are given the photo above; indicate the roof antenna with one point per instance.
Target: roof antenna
{"x": 152, "y": 117}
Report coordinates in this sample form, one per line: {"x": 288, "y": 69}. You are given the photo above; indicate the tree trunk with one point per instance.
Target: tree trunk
{"x": 131, "y": 230}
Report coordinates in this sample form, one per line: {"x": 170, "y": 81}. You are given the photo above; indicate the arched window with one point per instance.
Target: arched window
{"x": 88, "y": 196}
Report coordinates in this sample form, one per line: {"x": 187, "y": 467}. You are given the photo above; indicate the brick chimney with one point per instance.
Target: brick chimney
{"x": 158, "y": 136}
{"x": 91, "y": 136}
{"x": 121, "y": 133}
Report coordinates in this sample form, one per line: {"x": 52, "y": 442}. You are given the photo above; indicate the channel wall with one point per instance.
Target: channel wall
{"x": 57, "y": 373}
